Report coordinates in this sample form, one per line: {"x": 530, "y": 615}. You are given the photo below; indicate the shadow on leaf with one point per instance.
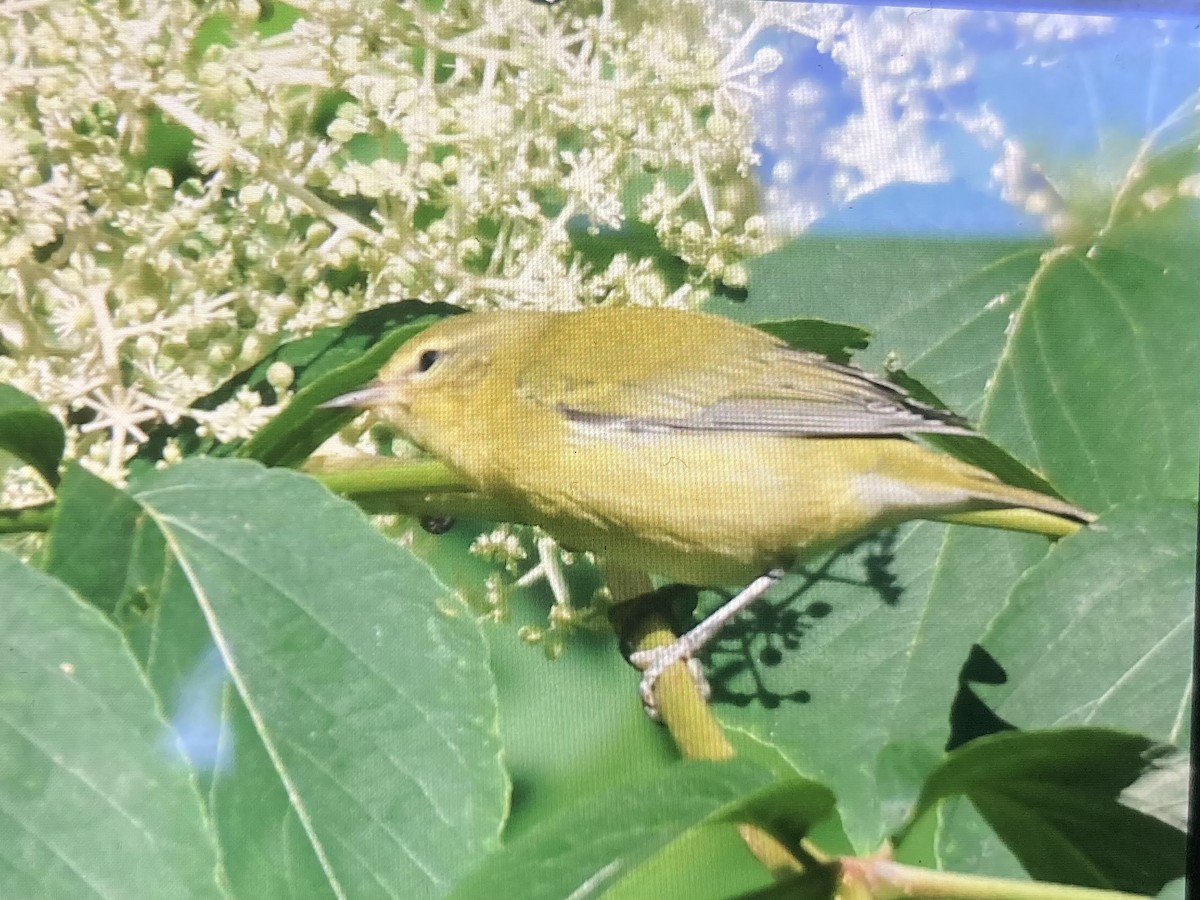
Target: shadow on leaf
{"x": 775, "y": 627}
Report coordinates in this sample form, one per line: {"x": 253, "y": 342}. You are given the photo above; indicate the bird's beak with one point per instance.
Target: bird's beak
{"x": 376, "y": 393}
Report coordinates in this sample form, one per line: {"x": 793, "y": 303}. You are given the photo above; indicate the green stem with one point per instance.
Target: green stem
{"x": 27, "y": 519}
{"x": 392, "y": 477}
{"x": 414, "y": 488}
{"x": 686, "y": 712}
{"x": 887, "y": 880}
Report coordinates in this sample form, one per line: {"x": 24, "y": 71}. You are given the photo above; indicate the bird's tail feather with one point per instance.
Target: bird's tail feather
{"x": 1018, "y": 519}
{"x": 1018, "y": 509}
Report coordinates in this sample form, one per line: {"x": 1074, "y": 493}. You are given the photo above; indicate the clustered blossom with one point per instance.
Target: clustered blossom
{"x": 501, "y": 545}
{"x": 182, "y": 189}
{"x": 183, "y": 186}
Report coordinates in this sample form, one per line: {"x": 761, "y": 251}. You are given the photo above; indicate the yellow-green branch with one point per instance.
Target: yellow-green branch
{"x": 27, "y": 519}
{"x": 883, "y": 879}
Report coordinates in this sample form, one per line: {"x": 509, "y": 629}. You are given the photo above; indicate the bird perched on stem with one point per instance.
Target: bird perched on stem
{"x": 684, "y": 444}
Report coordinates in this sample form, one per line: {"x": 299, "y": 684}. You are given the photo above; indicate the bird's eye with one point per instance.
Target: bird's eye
{"x": 428, "y": 359}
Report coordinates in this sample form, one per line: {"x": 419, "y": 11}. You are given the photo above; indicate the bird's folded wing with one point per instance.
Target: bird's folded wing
{"x": 779, "y": 391}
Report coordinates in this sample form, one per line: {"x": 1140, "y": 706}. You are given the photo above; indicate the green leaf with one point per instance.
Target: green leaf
{"x": 585, "y": 850}
{"x": 570, "y": 726}
{"x": 863, "y": 647}
{"x": 30, "y": 433}
{"x": 352, "y": 747}
{"x": 1062, "y": 356}
{"x": 1101, "y": 631}
{"x": 1088, "y": 391}
{"x": 1097, "y": 644}
{"x": 93, "y": 534}
{"x": 373, "y": 701}
{"x": 832, "y": 339}
{"x": 267, "y": 851}
{"x": 93, "y": 799}
{"x": 107, "y": 549}
{"x": 121, "y": 564}
{"x": 1055, "y": 798}
{"x": 729, "y": 869}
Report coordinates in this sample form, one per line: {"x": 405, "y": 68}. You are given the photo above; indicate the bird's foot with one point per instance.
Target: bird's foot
{"x": 657, "y": 660}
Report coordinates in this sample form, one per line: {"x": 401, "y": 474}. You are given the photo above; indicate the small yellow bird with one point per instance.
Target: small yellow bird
{"x": 684, "y": 444}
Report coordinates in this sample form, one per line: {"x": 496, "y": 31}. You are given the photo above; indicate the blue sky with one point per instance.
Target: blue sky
{"x": 1076, "y": 99}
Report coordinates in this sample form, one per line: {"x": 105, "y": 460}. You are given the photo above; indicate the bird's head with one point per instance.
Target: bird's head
{"x": 438, "y": 385}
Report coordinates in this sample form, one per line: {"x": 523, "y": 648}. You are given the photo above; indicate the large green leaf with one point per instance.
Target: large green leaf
{"x": 1088, "y": 643}
{"x": 1089, "y": 389}
{"x": 1058, "y": 799}
{"x": 1069, "y": 358}
{"x": 374, "y": 703}
{"x": 1101, "y": 631}
{"x": 92, "y": 538}
{"x": 353, "y": 749}
{"x": 707, "y": 863}
{"x": 570, "y": 725}
{"x": 856, "y": 649}
{"x": 585, "y": 850}
{"x": 1061, "y": 354}
{"x": 30, "y": 433}
{"x": 93, "y": 799}
{"x": 105, "y": 546}
{"x": 267, "y": 850}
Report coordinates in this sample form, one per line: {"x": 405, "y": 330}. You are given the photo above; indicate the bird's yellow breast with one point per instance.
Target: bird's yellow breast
{"x": 703, "y": 508}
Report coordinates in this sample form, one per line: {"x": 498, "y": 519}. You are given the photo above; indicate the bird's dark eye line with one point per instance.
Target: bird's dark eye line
{"x": 428, "y": 359}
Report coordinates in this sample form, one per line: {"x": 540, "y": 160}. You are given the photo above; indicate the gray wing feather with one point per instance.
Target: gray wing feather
{"x": 788, "y": 401}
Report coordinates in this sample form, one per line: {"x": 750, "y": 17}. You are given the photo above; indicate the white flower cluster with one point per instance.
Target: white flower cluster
{"x": 183, "y": 184}
{"x": 502, "y": 545}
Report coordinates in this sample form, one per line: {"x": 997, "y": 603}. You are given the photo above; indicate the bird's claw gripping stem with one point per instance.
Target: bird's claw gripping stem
{"x": 656, "y": 661}
{"x": 653, "y": 662}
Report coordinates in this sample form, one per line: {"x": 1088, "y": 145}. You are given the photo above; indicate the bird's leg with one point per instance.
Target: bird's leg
{"x": 654, "y": 662}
